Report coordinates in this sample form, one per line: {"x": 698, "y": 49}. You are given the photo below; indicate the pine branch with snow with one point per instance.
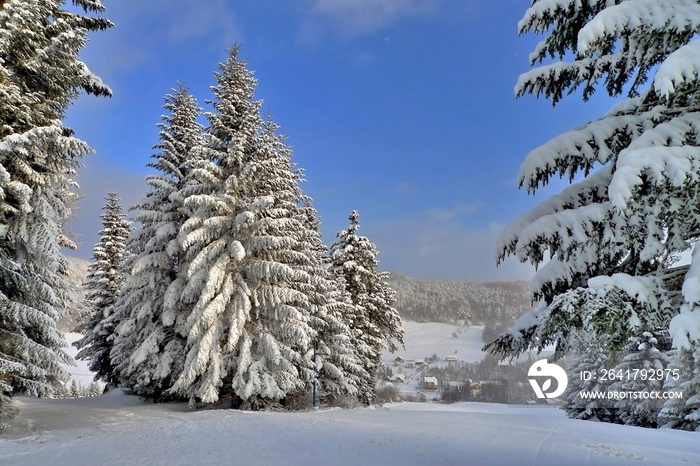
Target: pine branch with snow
{"x": 40, "y": 75}
{"x": 607, "y": 246}
{"x": 338, "y": 355}
{"x": 683, "y": 410}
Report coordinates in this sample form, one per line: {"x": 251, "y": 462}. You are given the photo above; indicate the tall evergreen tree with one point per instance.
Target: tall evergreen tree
{"x": 682, "y": 411}
{"x": 374, "y": 322}
{"x": 614, "y": 234}
{"x": 337, "y": 357}
{"x": 588, "y": 357}
{"x": 106, "y": 274}
{"x": 149, "y": 346}
{"x": 643, "y": 356}
{"x": 40, "y": 75}
{"x": 248, "y": 331}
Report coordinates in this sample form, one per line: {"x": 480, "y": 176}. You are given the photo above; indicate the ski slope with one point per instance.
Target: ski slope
{"x": 116, "y": 429}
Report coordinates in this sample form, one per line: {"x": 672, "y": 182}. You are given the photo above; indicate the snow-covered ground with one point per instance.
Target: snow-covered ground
{"x": 115, "y": 429}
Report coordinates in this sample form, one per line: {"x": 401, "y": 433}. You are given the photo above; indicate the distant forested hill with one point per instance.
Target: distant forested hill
{"x": 417, "y": 299}
{"x": 443, "y": 301}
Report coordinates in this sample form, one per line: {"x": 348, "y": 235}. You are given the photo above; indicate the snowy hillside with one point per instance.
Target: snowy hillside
{"x": 120, "y": 430}
{"x": 441, "y": 350}
{"x": 80, "y": 371}
{"x": 422, "y": 340}
{"x": 428, "y": 345}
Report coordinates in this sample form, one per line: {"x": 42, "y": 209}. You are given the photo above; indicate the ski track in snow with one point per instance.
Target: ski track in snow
{"x": 116, "y": 429}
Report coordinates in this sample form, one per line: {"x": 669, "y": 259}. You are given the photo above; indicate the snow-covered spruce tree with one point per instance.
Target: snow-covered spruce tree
{"x": 149, "y": 347}
{"x": 338, "y": 355}
{"x": 106, "y": 274}
{"x": 95, "y": 389}
{"x": 615, "y": 233}
{"x": 74, "y": 391}
{"x": 248, "y": 331}
{"x": 588, "y": 357}
{"x": 40, "y": 75}
{"x": 683, "y": 410}
{"x": 374, "y": 322}
{"x": 341, "y": 372}
{"x": 643, "y": 357}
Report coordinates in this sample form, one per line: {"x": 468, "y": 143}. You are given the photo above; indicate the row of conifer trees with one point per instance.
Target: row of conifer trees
{"x": 225, "y": 289}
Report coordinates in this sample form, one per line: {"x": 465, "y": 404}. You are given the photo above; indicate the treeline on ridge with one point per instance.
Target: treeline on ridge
{"x": 479, "y": 303}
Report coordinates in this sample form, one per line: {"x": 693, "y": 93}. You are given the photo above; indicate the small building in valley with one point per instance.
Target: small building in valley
{"x": 430, "y": 383}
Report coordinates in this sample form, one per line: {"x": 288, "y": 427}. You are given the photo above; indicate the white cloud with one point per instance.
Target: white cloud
{"x": 405, "y": 189}
{"x": 365, "y": 59}
{"x": 217, "y": 19}
{"x": 362, "y": 16}
{"x": 148, "y": 32}
{"x": 437, "y": 245}
{"x": 458, "y": 209}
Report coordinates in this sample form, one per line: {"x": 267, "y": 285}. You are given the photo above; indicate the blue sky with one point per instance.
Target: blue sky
{"x": 401, "y": 109}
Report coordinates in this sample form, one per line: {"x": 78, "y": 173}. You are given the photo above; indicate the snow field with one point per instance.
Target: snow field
{"x": 115, "y": 429}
